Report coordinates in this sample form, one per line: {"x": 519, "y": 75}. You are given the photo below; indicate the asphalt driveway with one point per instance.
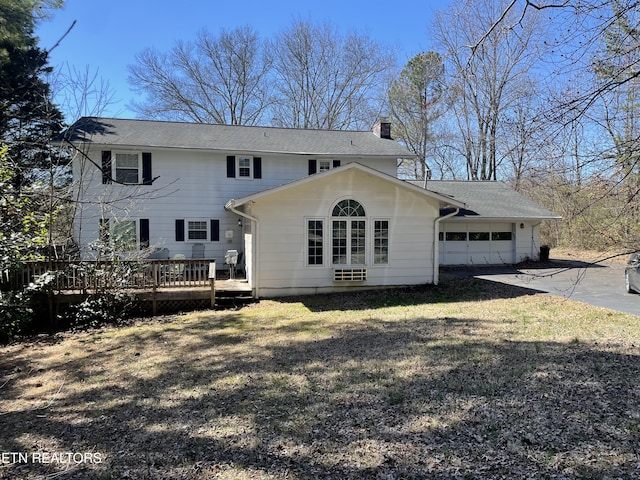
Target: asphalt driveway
{"x": 600, "y": 284}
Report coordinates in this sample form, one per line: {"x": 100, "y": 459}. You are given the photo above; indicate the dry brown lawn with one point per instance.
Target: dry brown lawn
{"x": 464, "y": 380}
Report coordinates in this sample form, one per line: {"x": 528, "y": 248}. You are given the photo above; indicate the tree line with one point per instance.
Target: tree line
{"x": 543, "y": 95}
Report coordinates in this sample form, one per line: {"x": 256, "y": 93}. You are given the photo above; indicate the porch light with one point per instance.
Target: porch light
{"x": 240, "y": 222}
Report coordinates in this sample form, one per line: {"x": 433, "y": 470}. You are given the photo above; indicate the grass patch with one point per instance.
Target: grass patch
{"x": 464, "y": 378}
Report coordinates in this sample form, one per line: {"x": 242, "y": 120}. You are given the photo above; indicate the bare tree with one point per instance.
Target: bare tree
{"x": 519, "y": 131}
{"x": 483, "y": 73}
{"x": 81, "y": 93}
{"x": 327, "y": 80}
{"x": 216, "y": 79}
{"x": 597, "y": 53}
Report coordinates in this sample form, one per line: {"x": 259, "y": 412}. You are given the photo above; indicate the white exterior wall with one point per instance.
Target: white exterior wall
{"x": 190, "y": 185}
{"x": 281, "y": 242}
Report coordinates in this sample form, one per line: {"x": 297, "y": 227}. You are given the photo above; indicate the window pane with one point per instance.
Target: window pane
{"x": 339, "y": 242}
{"x": 127, "y": 168}
{"x": 315, "y": 247}
{"x": 348, "y": 208}
{"x": 358, "y": 234}
{"x": 456, "y": 236}
{"x": 381, "y": 242}
{"x": 501, "y": 236}
{"x": 244, "y": 167}
{"x": 479, "y": 236}
{"x": 126, "y": 175}
{"x": 324, "y": 166}
{"x": 124, "y": 160}
{"x": 197, "y": 230}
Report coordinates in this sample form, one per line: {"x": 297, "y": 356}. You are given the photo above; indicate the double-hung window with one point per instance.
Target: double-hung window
{"x": 124, "y": 235}
{"x": 197, "y": 230}
{"x": 244, "y": 167}
{"x": 127, "y": 168}
{"x": 324, "y": 165}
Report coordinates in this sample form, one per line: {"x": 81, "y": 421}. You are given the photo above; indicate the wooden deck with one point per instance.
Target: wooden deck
{"x": 160, "y": 285}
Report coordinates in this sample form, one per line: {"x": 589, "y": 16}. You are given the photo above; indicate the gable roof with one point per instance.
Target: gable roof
{"x": 231, "y": 138}
{"x": 445, "y": 200}
{"x": 488, "y": 200}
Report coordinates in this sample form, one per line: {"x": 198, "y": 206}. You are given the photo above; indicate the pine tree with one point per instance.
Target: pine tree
{"x": 28, "y": 119}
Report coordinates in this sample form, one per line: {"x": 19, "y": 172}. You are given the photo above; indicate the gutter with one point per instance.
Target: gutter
{"x": 231, "y": 207}
{"x": 436, "y": 236}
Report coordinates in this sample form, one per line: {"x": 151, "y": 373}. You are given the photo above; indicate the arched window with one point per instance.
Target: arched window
{"x": 348, "y": 235}
{"x": 348, "y": 208}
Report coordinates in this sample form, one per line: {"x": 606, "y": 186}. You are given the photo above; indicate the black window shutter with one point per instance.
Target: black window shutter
{"x": 231, "y": 166}
{"x": 144, "y": 233}
{"x": 313, "y": 167}
{"x": 336, "y": 163}
{"x": 106, "y": 167}
{"x": 179, "y": 230}
{"x": 215, "y": 230}
{"x": 146, "y": 168}
{"x": 257, "y": 167}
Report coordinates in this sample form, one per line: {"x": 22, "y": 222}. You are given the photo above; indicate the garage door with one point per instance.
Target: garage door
{"x": 477, "y": 244}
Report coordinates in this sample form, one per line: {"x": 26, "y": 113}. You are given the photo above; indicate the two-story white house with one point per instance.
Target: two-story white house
{"x": 308, "y": 210}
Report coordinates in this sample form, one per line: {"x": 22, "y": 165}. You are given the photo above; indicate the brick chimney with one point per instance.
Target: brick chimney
{"x": 382, "y": 129}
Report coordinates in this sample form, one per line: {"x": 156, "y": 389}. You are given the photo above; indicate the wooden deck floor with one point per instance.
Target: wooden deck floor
{"x": 234, "y": 292}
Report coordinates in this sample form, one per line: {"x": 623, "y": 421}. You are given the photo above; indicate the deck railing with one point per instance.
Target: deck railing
{"x": 120, "y": 274}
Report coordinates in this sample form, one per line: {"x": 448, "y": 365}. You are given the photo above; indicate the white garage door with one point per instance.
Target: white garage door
{"x": 477, "y": 243}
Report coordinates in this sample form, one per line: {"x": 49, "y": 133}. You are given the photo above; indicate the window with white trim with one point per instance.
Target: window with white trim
{"x": 380, "y": 242}
{"x": 315, "y": 242}
{"x": 324, "y": 165}
{"x": 348, "y": 233}
{"x": 127, "y": 168}
{"x": 197, "y": 229}
{"x": 245, "y": 167}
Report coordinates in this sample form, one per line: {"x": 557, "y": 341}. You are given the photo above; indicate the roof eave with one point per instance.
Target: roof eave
{"x": 444, "y": 199}
{"x": 504, "y": 219}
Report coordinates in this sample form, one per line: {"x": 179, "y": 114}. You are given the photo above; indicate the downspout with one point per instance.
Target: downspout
{"x": 436, "y": 236}
{"x": 230, "y": 206}
{"x": 533, "y": 237}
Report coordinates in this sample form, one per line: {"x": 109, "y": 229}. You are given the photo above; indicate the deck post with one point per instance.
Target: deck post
{"x": 212, "y": 282}
{"x": 154, "y": 283}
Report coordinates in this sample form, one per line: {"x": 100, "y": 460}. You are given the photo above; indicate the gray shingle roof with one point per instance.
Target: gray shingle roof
{"x": 231, "y": 138}
{"x": 489, "y": 200}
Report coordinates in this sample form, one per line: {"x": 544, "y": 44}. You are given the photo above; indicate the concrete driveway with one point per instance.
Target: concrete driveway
{"x": 599, "y": 284}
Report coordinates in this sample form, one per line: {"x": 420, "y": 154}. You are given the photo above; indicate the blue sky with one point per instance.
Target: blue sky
{"x": 108, "y": 35}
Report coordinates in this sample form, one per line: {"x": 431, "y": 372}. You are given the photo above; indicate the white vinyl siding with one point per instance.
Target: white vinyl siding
{"x": 283, "y": 250}
{"x": 192, "y": 185}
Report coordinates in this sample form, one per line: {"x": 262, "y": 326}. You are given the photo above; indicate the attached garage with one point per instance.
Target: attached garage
{"x": 497, "y": 226}
{"x": 471, "y": 243}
